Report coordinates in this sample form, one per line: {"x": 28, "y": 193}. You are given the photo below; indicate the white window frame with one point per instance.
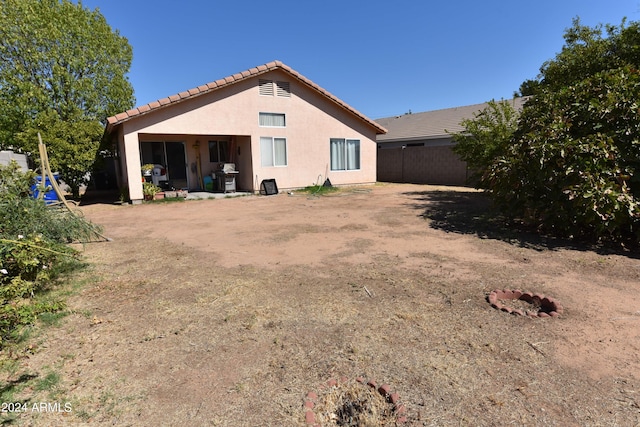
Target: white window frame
{"x": 272, "y": 162}
{"x": 346, "y": 155}
{"x": 269, "y": 117}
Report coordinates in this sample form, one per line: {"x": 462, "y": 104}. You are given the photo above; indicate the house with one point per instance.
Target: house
{"x": 417, "y": 147}
{"x": 266, "y": 123}
{"x": 7, "y": 156}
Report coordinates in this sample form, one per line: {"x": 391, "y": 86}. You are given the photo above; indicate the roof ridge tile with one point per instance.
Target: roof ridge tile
{"x": 260, "y": 69}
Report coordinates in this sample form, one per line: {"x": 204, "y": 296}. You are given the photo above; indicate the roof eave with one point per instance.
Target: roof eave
{"x": 228, "y": 81}
{"x": 415, "y": 138}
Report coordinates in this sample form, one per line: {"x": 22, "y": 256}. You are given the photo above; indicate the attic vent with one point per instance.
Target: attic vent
{"x": 283, "y": 89}
{"x": 266, "y": 87}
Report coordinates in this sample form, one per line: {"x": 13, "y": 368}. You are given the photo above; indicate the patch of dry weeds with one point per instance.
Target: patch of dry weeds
{"x": 198, "y": 333}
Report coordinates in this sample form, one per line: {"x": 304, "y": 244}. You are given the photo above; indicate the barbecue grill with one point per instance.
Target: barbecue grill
{"x": 226, "y": 177}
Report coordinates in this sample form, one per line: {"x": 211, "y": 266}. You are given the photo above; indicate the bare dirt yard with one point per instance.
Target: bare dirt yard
{"x": 229, "y": 312}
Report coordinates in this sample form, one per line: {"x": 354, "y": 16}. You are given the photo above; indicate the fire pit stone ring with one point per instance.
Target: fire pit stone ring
{"x": 543, "y": 306}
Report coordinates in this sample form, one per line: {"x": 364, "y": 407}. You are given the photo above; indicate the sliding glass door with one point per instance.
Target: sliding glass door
{"x": 170, "y": 155}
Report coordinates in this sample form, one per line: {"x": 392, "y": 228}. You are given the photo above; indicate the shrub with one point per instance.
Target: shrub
{"x": 29, "y": 267}
{"x": 33, "y": 251}
{"x": 574, "y": 166}
{"x": 486, "y": 136}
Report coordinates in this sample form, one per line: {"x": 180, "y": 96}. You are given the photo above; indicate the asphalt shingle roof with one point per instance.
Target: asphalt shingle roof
{"x": 431, "y": 124}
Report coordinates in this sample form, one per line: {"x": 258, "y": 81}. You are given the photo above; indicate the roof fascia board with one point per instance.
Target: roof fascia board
{"x": 230, "y": 80}
{"x": 415, "y": 138}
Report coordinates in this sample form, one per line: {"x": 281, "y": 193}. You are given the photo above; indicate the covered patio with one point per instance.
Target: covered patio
{"x": 195, "y": 162}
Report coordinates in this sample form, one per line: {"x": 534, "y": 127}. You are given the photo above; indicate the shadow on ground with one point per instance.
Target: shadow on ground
{"x": 472, "y": 212}
{"x": 91, "y": 197}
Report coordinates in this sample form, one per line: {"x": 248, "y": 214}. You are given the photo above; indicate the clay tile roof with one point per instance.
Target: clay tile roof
{"x": 261, "y": 69}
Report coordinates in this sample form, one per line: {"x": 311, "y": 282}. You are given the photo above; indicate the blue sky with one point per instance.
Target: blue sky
{"x": 383, "y": 58}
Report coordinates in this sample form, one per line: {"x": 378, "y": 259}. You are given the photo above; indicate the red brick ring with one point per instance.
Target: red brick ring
{"x": 391, "y": 397}
{"x": 546, "y": 306}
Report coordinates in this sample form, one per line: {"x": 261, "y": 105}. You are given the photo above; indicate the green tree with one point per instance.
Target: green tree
{"x": 572, "y": 166}
{"x": 63, "y": 70}
{"x": 485, "y": 137}
{"x": 586, "y": 52}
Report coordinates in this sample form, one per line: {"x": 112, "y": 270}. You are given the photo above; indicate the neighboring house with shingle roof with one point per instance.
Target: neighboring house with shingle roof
{"x": 417, "y": 146}
{"x": 269, "y": 121}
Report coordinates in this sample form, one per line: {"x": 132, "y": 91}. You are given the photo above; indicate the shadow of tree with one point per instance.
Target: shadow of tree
{"x": 9, "y": 388}
{"x": 472, "y": 212}
{"x": 92, "y": 196}
{"x": 13, "y": 384}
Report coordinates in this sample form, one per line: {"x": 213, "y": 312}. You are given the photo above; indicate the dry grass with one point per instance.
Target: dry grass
{"x": 354, "y": 404}
{"x": 186, "y": 338}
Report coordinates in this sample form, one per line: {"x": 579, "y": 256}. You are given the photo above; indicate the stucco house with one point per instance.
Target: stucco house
{"x": 266, "y": 123}
{"x": 417, "y": 146}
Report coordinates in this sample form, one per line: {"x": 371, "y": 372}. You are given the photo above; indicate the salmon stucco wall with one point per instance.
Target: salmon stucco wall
{"x": 311, "y": 121}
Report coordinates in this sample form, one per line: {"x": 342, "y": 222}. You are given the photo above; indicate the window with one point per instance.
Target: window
{"x": 281, "y": 89}
{"x": 273, "y": 151}
{"x": 272, "y": 120}
{"x": 345, "y": 154}
{"x": 218, "y": 151}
